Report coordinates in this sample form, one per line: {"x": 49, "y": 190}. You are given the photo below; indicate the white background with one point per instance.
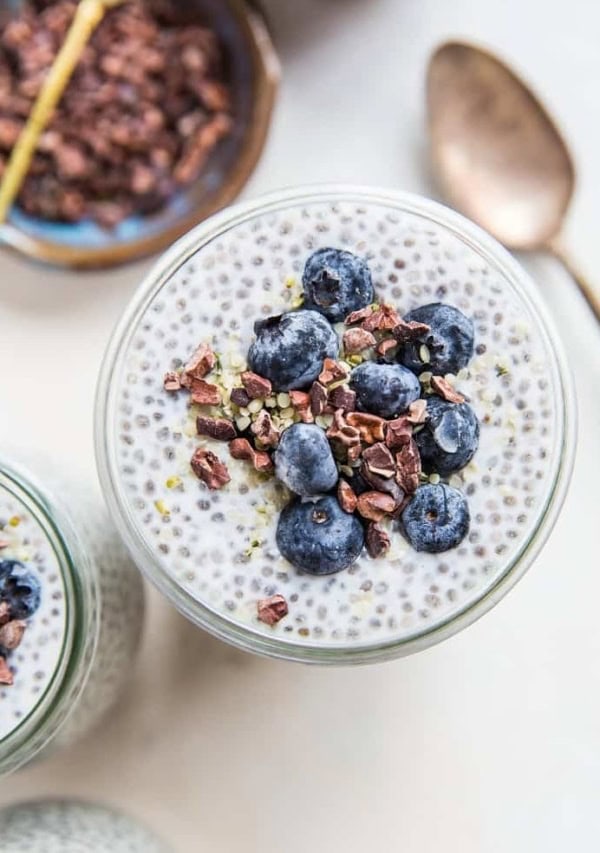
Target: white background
{"x": 486, "y": 744}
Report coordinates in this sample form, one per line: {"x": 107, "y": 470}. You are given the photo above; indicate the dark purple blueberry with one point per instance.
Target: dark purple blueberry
{"x": 437, "y": 518}
{"x": 450, "y": 436}
{"x": 19, "y": 588}
{"x": 384, "y": 389}
{"x": 289, "y": 349}
{"x": 336, "y": 283}
{"x": 319, "y": 537}
{"x": 449, "y": 341}
{"x": 304, "y": 461}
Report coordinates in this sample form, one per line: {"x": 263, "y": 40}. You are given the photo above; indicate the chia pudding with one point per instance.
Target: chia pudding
{"x": 211, "y": 544}
{"x": 71, "y": 608}
{"x": 63, "y": 826}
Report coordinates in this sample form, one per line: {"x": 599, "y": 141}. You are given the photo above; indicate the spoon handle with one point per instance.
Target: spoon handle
{"x": 591, "y": 295}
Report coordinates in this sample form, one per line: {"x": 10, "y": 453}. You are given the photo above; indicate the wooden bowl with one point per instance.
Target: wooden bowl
{"x": 254, "y": 76}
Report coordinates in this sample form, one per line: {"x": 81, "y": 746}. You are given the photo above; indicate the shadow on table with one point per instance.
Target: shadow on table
{"x": 179, "y": 666}
{"x": 33, "y": 288}
{"x": 296, "y": 24}
{"x": 181, "y": 672}
{"x": 187, "y": 652}
{"x": 202, "y": 726}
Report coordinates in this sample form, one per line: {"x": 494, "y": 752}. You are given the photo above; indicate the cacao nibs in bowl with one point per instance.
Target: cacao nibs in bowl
{"x": 146, "y": 106}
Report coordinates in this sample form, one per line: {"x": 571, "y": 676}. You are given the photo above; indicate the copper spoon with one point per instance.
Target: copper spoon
{"x": 498, "y": 155}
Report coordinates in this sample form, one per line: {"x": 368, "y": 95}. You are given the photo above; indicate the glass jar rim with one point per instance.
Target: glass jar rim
{"x": 247, "y": 638}
{"x": 58, "y": 699}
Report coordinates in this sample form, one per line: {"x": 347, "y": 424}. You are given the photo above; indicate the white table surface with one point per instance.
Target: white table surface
{"x": 485, "y": 744}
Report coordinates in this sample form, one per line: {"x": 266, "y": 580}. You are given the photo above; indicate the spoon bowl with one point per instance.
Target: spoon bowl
{"x": 497, "y": 154}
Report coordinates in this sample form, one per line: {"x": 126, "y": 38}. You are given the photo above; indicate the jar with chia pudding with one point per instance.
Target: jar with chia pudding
{"x": 334, "y": 425}
{"x": 70, "y": 826}
{"x": 71, "y": 611}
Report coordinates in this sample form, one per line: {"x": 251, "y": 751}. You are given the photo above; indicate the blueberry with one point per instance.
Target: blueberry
{"x": 449, "y": 341}
{"x": 289, "y": 349}
{"x": 384, "y": 389}
{"x": 336, "y": 283}
{"x": 436, "y": 519}
{"x": 304, "y": 461}
{"x": 449, "y": 437}
{"x": 319, "y": 538}
{"x": 20, "y": 588}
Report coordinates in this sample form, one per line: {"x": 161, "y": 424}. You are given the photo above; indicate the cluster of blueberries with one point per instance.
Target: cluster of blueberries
{"x": 20, "y": 594}
{"x": 314, "y": 533}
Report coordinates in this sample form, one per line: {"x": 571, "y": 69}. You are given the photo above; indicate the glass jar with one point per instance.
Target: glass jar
{"x": 77, "y": 648}
{"x": 69, "y": 826}
{"x": 213, "y": 553}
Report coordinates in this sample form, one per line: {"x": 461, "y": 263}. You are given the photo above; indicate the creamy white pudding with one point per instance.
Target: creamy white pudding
{"x": 214, "y": 551}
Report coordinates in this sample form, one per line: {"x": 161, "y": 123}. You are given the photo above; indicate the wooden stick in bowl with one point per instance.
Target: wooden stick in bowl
{"x": 88, "y": 15}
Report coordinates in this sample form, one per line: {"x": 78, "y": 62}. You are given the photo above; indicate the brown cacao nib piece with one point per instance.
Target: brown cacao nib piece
{"x": 353, "y": 452}
{"x": 417, "y": 412}
{"x": 271, "y": 610}
{"x": 341, "y": 431}
{"x": 411, "y": 331}
{"x": 11, "y": 634}
{"x": 10, "y": 130}
{"x": 239, "y": 397}
{"x": 215, "y": 96}
{"x": 402, "y": 506}
{"x": 4, "y": 612}
{"x": 108, "y": 214}
{"x": 384, "y": 319}
{"x": 257, "y": 387}
{"x": 358, "y": 316}
{"x": 408, "y": 465}
{"x": 72, "y": 162}
{"x": 377, "y": 540}
{"x": 264, "y": 429}
{"x": 201, "y": 362}
{"x": 204, "y": 393}
{"x": 379, "y": 460}
{"x": 370, "y": 427}
{"x": 382, "y": 484}
{"x": 300, "y": 401}
{"x": 375, "y": 505}
{"x": 6, "y": 676}
{"x": 398, "y": 432}
{"x": 318, "y": 398}
{"x": 446, "y": 391}
{"x": 385, "y": 346}
{"x": 208, "y": 467}
{"x": 172, "y": 381}
{"x": 240, "y": 448}
{"x": 342, "y": 398}
{"x": 356, "y": 340}
{"x": 346, "y": 496}
{"x": 306, "y": 416}
{"x": 198, "y": 146}
{"x": 332, "y": 371}
{"x": 219, "y": 428}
